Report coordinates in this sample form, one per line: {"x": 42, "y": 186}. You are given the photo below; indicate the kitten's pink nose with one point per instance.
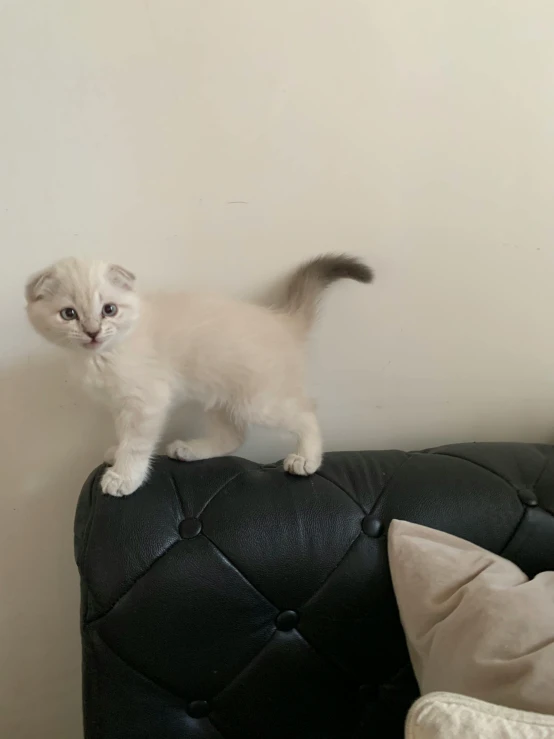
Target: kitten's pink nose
{"x": 92, "y": 334}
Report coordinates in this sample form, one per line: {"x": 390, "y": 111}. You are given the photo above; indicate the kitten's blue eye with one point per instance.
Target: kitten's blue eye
{"x": 69, "y": 314}
{"x": 109, "y": 310}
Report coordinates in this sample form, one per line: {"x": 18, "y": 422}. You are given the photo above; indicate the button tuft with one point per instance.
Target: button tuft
{"x": 527, "y": 497}
{"x": 287, "y": 620}
{"x": 189, "y": 528}
{"x": 372, "y": 526}
{"x": 198, "y": 709}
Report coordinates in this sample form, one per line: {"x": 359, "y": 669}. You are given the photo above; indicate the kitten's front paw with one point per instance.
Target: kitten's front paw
{"x": 181, "y": 451}
{"x": 297, "y": 465}
{"x": 113, "y": 483}
{"x": 109, "y": 456}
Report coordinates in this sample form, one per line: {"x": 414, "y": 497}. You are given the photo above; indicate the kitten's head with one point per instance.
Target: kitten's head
{"x": 82, "y": 305}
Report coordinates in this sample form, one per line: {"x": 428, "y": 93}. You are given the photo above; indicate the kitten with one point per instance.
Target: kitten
{"x": 243, "y": 362}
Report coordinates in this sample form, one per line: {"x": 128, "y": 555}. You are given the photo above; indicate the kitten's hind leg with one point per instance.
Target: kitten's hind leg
{"x": 309, "y": 454}
{"x": 224, "y": 435}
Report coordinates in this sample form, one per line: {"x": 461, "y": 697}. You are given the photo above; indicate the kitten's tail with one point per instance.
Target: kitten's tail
{"x": 306, "y": 285}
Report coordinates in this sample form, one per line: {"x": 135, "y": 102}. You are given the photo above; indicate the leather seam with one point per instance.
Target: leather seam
{"x": 171, "y": 691}
{"x": 389, "y": 682}
{"x": 335, "y": 568}
{"x": 476, "y": 464}
{"x": 343, "y": 672}
{"x": 215, "y": 726}
{"x": 335, "y": 667}
{"x": 513, "y": 536}
{"x": 174, "y": 486}
{"x": 243, "y": 576}
{"x": 300, "y": 634}
{"x": 110, "y": 608}
{"x": 219, "y": 490}
{"x": 386, "y": 485}
{"x": 137, "y": 671}
{"x": 543, "y": 469}
{"x": 500, "y": 477}
{"x": 524, "y": 514}
{"x": 339, "y": 487}
{"x": 539, "y": 478}
{"x": 323, "y": 657}
{"x": 91, "y": 677}
{"x": 243, "y": 669}
{"x": 306, "y": 641}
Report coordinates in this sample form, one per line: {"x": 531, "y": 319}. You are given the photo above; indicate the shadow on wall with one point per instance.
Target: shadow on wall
{"x": 53, "y": 435}
{"x": 50, "y": 439}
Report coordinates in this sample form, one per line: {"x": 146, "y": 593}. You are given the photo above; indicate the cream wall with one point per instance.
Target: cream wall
{"x": 217, "y": 142}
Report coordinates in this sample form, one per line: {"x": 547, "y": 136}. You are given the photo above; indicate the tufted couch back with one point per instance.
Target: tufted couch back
{"x": 226, "y": 599}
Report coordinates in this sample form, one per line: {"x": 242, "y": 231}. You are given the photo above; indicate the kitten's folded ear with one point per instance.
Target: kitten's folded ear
{"x": 121, "y": 277}
{"x": 40, "y": 285}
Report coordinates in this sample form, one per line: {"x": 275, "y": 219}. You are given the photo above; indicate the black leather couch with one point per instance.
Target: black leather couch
{"x": 229, "y": 599}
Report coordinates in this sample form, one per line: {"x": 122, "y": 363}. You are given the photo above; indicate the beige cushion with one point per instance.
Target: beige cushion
{"x": 475, "y": 624}
{"x": 449, "y": 716}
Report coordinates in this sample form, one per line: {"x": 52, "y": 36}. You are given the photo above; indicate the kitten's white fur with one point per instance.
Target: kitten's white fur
{"x": 243, "y": 362}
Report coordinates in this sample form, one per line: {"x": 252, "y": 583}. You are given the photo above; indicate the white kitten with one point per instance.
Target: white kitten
{"x": 243, "y": 362}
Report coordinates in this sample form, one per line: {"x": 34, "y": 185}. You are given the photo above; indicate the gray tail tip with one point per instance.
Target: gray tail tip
{"x": 341, "y": 266}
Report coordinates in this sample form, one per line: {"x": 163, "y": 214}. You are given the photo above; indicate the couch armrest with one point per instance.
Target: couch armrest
{"x": 229, "y": 599}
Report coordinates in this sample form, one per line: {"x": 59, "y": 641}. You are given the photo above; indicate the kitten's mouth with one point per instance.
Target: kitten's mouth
{"x": 92, "y": 344}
